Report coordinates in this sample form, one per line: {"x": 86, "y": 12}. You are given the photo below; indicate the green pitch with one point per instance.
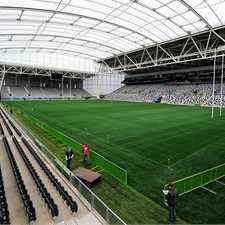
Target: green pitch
{"x": 156, "y": 144}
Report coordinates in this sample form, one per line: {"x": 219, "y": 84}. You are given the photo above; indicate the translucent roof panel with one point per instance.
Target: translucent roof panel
{"x": 48, "y": 60}
{"x": 99, "y": 29}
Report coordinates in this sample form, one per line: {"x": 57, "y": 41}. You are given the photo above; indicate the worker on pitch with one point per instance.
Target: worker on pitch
{"x": 69, "y": 158}
{"x": 171, "y": 199}
{"x": 86, "y": 152}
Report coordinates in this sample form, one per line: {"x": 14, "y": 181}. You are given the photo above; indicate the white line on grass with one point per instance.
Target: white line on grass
{"x": 209, "y": 190}
{"x": 196, "y": 152}
{"x": 219, "y": 182}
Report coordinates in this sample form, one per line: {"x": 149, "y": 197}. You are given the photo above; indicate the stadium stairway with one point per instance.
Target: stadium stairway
{"x": 32, "y": 172}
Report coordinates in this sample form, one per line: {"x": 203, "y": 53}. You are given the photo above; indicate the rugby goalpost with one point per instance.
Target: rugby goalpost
{"x": 201, "y": 179}
{"x": 221, "y": 86}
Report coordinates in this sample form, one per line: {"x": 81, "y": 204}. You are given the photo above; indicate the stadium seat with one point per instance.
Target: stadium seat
{"x": 12, "y": 124}
{"x": 4, "y": 213}
{"x": 1, "y": 130}
{"x": 7, "y": 127}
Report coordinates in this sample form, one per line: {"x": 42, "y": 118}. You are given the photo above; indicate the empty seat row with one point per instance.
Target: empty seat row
{"x": 28, "y": 204}
{"x": 12, "y": 124}
{"x": 4, "y": 212}
{"x": 7, "y": 127}
{"x": 15, "y": 128}
{"x": 1, "y": 130}
{"x": 63, "y": 193}
{"x": 40, "y": 185}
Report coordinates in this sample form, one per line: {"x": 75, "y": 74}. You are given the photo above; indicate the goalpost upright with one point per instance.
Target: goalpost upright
{"x": 221, "y": 87}
{"x": 214, "y": 80}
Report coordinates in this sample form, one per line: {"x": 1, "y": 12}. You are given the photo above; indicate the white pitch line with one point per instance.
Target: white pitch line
{"x": 219, "y": 182}
{"x": 209, "y": 190}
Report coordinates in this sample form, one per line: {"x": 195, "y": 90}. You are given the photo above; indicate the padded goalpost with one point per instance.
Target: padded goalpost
{"x": 221, "y": 86}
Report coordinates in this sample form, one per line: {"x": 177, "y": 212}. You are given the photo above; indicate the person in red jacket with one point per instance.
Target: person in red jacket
{"x": 86, "y": 152}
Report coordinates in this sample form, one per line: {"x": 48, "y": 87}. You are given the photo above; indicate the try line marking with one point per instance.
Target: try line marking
{"x": 207, "y": 189}
{"x": 219, "y": 182}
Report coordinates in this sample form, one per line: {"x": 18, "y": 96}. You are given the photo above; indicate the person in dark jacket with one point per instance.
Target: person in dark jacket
{"x": 171, "y": 198}
{"x": 69, "y": 157}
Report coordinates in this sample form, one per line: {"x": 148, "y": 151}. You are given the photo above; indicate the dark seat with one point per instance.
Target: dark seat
{"x": 4, "y": 213}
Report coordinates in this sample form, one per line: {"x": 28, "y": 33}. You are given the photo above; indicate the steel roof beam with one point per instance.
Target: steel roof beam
{"x": 196, "y": 13}
{"x": 30, "y": 70}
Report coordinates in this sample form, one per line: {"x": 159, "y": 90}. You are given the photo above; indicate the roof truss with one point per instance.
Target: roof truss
{"x": 38, "y": 71}
{"x": 193, "y": 47}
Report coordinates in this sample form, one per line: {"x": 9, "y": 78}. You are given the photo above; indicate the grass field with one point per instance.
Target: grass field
{"x": 146, "y": 140}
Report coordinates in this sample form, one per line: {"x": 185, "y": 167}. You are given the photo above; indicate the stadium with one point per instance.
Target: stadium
{"x": 112, "y": 112}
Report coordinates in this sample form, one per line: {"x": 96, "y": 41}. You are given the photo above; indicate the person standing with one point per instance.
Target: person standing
{"x": 171, "y": 201}
{"x": 69, "y": 157}
{"x": 86, "y": 152}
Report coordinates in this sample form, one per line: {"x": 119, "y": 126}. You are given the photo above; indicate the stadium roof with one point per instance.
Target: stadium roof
{"x": 98, "y": 29}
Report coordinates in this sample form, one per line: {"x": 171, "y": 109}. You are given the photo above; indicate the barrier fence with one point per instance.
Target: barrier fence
{"x": 198, "y": 180}
{"x": 114, "y": 170}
